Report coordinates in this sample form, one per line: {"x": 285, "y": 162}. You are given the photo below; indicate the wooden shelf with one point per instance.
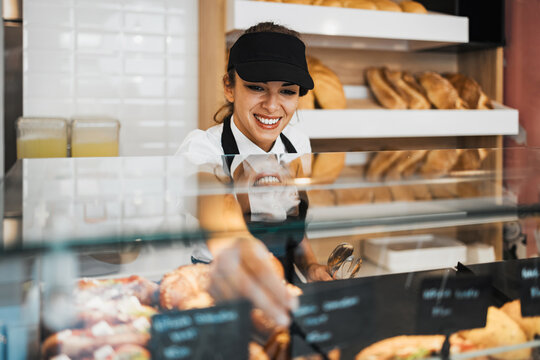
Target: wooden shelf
{"x": 380, "y": 123}
{"x": 324, "y": 26}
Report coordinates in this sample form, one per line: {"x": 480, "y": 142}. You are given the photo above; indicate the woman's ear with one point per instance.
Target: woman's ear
{"x": 228, "y": 89}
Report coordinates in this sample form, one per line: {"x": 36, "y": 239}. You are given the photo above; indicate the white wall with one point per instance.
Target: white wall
{"x": 135, "y": 60}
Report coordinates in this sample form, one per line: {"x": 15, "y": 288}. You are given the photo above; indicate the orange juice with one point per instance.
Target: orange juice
{"x": 85, "y": 149}
{"x": 41, "y": 148}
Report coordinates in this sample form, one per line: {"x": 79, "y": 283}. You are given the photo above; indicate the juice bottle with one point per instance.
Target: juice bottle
{"x": 94, "y": 137}
{"x": 41, "y": 138}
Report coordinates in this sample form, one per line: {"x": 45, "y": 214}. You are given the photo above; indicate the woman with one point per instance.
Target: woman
{"x": 266, "y": 74}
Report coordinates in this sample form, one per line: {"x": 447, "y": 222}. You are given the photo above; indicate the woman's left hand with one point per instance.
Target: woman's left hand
{"x": 317, "y": 272}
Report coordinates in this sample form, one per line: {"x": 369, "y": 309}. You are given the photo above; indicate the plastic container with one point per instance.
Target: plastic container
{"x": 41, "y": 138}
{"x": 415, "y": 252}
{"x": 92, "y": 137}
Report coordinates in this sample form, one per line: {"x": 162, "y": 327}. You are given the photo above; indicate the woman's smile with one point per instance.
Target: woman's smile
{"x": 267, "y": 122}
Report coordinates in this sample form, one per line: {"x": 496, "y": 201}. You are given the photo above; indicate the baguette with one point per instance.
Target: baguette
{"x": 382, "y": 90}
{"x": 328, "y": 90}
{"x": 440, "y": 92}
{"x": 414, "y": 98}
{"x": 470, "y": 91}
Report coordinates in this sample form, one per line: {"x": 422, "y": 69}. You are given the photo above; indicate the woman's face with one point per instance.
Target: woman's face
{"x": 262, "y": 109}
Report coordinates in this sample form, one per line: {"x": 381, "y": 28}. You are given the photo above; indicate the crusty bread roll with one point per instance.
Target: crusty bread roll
{"x": 307, "y": 102}
{"x": 440, "y": 92}
{"x": 414, "y": 98}
{"x": 439, "y": 162}
{"x": 387, "y": 5}
{"x": 382, "y": 90}
{"x": 328, "y": 91}
{"x": 412, "y": 7}
{"x": 470, "y": 91}
{"x": 360, "y": 4}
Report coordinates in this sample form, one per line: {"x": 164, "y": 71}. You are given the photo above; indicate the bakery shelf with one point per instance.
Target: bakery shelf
{"x": 325, "y": 26}
{"x": 381, "y": 123}
{"x": 329, "y": 221}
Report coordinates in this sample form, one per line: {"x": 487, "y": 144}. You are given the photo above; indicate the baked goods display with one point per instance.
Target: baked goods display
{"x": 395, "y": 89}
{"x": 504, "y": 327}
{"x": 412, "y": 167}
{"x": 384, "y": 5}
{"x": 328, "y": 92}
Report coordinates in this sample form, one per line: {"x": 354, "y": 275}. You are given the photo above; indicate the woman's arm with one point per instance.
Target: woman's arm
{"x": 306, "y": 261}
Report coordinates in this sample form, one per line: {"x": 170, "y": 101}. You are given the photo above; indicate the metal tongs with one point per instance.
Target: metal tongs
{"x": 343, "y": 263}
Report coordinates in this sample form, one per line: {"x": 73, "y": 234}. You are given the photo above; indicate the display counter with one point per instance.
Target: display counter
{"x": 126, "y": 258}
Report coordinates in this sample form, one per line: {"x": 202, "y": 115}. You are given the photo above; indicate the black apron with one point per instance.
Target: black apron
{"x": 281, "y": 243}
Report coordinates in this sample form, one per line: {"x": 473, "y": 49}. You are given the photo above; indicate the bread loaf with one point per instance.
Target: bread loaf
{"x": 470, "y": 91}
{"x": 360, "y": 4}
{"x": 384, "y": 93}
{"x": 412, "y": 7}
{"x": 439, "y": 162}
{"x": 414, "y": 98}
{"x": 327, "y": 167}
{"x": 336, "y": 3}
{"x": 321, "y": 197}
{"x": 469, "y": 159}
{"x": 328, "y": 91}
{"x": 387, "y": 5}
{"x": 440, "y": 92}
{"x": 307, "y": 102}
{"x": 381, "y": 162}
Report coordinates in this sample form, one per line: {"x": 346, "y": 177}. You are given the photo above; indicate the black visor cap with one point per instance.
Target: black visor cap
{"x": 270, "y": 56}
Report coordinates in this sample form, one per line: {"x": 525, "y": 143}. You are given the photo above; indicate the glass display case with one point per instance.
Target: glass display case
{"x": 224, "y": 258}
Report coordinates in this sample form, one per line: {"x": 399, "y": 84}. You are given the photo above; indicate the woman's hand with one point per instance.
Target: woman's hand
{"x": 317, "y": 272}
{"x": 244, "y": 269}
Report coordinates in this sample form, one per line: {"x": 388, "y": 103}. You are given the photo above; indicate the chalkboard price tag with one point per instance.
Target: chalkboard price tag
{"x": 529, "y": 275}
{"x": 449, "y": 304}
{"x": 334, "y": 314}
{"x": 219, "y": 332}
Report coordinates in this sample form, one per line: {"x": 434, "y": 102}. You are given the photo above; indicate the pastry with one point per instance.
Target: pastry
{"x": 328, "y": 90}
{"x": 307, "y": 102}
{"x": 412, "y": 7}
{"x": 440, "y": 92}
{"x": 360, "y": 4}
{"x": 144, "y": 290}
{"x": 387, "y": 5}
{"x": 530, "y": 325}
{"x": 186, "y": 288}
{"x": 500, "y": 330}
{"x": 83, "y": 343}
{"x": 414, "y": 98}
{"x": 470, "y": 91}
{"x": 382, "y": 90}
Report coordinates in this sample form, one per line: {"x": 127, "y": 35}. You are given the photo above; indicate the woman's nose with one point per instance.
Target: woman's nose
{"x": 271, "y": 103}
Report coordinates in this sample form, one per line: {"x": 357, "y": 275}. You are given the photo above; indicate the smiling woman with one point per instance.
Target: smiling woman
{"x": 266, "y": 74}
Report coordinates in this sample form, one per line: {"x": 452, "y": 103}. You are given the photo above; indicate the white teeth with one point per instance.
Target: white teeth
{"x": 267, "y": 121}
{"x": 267, "y": 180}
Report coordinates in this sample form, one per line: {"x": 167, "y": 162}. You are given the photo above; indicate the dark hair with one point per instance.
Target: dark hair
{"x": 229, "y": 78}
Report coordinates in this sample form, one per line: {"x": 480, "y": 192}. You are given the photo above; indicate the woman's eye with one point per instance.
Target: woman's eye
{"x": 288, "y": 92}
{"x": 255, "y": 88}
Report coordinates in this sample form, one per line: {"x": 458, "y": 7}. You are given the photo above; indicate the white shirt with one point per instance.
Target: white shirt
{"x": 204, "y": 147}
